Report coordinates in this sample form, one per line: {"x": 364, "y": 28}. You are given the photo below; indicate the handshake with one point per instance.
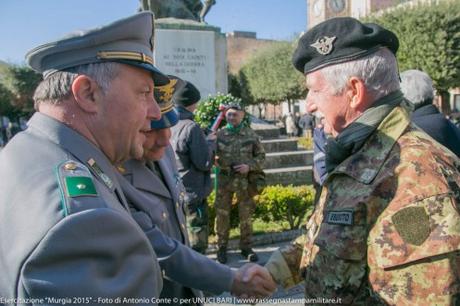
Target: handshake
{"x": 253, "y": 281}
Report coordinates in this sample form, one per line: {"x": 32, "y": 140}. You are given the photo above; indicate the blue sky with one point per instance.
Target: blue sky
{"x": 25, "y": 24}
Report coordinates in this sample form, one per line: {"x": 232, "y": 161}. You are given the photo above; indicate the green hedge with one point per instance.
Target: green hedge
{"x": 276, "y": 203}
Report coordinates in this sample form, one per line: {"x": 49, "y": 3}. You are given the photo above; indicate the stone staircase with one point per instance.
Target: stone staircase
{"x": 285, "y": 163}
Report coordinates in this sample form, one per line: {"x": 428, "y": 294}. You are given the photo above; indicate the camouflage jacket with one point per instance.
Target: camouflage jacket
{"x": 387, "y": 227}
{"x": 243, "y": 147}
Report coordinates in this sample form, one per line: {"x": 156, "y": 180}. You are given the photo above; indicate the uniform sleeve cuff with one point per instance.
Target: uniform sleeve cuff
{"x": 279, "y": 269}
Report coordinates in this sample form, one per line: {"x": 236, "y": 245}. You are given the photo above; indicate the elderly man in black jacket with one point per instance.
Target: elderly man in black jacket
{"x": 194, "y": 156}
{"x": 417, "y": 88}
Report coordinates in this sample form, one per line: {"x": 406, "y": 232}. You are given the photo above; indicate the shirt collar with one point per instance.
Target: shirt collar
{"x": 365, "y": 164}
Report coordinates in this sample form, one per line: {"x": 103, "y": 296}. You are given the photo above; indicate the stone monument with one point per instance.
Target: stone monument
{"x": 187, "y": 47}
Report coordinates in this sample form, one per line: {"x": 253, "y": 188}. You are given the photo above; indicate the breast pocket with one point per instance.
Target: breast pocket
{"x": 246, "y": 148}
{"x": 156, "y": 210}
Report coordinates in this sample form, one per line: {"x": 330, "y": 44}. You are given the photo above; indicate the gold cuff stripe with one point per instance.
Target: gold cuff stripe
{"x": 125, "y": 55}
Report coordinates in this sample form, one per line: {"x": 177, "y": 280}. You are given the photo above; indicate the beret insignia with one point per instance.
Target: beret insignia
{"x": 324, "y": 45}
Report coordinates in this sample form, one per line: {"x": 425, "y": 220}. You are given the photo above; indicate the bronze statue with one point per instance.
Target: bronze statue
{"x": 206, "y": 8}
{"x": 181, "y": 9}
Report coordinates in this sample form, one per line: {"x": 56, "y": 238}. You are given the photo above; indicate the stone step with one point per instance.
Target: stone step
{"x": 266, "y": 131}
{"x": 288, "y": 159}
{"x": 289, "y": 176}
{"x": 279, "y": 145}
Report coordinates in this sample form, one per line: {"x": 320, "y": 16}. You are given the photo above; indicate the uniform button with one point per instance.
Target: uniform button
{"x": 177, "y": 205}
{"x": 70, "y": 166}
{"x": 164, "y": 215}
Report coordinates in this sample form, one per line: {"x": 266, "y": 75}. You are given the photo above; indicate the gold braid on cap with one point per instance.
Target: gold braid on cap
{"x": 125, "y": 55}
{"x": 165, "y": 94}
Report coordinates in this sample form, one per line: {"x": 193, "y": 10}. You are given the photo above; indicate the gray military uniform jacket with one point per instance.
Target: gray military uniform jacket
{"x": 158, "y": 203}
{"x": 65, "y": 228}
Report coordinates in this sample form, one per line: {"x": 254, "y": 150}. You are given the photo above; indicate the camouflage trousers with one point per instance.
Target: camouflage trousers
{"x": 227, "y": 186}
{"x": 197, "y": 225}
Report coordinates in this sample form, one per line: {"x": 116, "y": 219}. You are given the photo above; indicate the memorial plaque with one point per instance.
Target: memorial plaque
{"x": 191, "y": 55}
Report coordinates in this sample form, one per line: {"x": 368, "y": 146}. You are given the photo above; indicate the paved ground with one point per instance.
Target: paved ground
{"x": 292, "y": 297}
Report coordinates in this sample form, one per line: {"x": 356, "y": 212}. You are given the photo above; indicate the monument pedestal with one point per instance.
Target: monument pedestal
{"x": 193, "y": 51}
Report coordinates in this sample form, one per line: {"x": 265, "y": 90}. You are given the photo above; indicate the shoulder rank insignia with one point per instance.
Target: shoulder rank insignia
{"x": 80, "y": 186}
{"x": 324, "y": 45}
{"x": 76, "y": 179}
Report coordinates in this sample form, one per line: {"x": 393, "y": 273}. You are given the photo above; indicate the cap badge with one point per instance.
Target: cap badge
{"x": 166, "y": 91}
{"x": 324, "y": 45}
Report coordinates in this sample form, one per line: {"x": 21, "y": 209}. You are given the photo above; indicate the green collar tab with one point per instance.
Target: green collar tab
{"x": 77, "y": 186}
{"x": 233, "y": 129}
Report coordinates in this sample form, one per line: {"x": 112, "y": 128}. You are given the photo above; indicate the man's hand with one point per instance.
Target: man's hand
{"x": 241, "y": 168}
{"x": 253, "y": 281}
{"x": 211, "y": 136}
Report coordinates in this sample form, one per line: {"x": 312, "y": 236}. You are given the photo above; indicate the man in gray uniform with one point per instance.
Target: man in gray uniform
{"x": 65, "y": 227}
{"x": 155, "y": 193}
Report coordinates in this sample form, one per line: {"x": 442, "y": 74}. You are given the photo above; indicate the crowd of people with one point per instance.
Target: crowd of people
{"x": 104, "y": 193}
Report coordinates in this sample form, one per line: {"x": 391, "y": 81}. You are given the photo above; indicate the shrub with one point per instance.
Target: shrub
{"x": 286, "y": 203}
{"x": 276, "y": 203}
{"x": 305, "y": 142}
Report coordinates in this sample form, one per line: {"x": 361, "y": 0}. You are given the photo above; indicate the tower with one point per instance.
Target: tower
{"x": 320, "y": 10}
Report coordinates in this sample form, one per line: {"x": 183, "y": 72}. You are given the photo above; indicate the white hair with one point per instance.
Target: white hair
{"x": 417, "y": 87}
{"x": 378, "y": 71}
{"x": 57, "y": 87}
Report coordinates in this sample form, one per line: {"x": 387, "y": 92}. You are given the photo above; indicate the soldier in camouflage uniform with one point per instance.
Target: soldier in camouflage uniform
{"x": 239, "y": 152}
{"x": 386, "y": 229}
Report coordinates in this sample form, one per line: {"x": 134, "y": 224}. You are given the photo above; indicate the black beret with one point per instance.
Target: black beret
{"x": 186, "y": 95}
{"x": 339, "y": 40}
{"x": 235, "y": 105}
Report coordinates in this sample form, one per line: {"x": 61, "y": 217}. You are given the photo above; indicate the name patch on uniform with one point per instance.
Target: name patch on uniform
{"x": 340, "y": 217}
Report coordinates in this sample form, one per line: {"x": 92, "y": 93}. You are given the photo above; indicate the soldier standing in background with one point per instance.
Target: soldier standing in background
{"x": 386, "y": 230}
{"x": 239, "y": 152}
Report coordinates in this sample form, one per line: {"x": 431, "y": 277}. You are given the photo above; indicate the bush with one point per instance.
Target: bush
{"x": 305, "y": 142}
{"x": 285, "y": 203}
{"x": 276, "y": 203}
{"x": 208, "y": 110}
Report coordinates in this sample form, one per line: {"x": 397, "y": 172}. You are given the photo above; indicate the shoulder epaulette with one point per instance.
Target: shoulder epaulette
{"x": 75, "y": 181}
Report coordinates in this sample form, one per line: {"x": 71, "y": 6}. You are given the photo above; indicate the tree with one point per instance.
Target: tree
{"x": 21, "y": 81}
{"x": 429, "y": 37}
{"x": 270, "y": 76}
{"x": 6, "y": 108}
